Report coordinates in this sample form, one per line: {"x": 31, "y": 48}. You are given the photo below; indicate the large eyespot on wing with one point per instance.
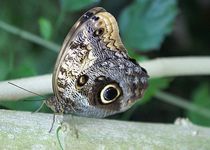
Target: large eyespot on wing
{"x": 105, "y": 94}
{"x": 109, "y": 94}
{"x": 66, "y": 64}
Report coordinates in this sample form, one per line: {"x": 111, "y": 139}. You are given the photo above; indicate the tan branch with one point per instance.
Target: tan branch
{"x": 161, "y": 67}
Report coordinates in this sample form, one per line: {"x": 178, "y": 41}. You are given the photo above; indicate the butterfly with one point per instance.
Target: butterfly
{"x": 93, "y": 74}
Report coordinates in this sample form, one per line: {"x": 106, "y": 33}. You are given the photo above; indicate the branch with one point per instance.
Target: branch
{"x": 29, "y": 36}
{"x": 30, "y": 131}
{"x": 161, "y": 67}
{"x": 39, "y": 84}
{"x": 178, "y": 66}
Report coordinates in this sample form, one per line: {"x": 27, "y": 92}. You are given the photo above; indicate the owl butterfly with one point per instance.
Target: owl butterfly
{"x": 93, "y": 75}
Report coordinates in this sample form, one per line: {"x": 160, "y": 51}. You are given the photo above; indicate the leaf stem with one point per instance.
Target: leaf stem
{"x": 183, "y": 103}
{"x": 29, "y": 36}
{"x": 178, "y": 66}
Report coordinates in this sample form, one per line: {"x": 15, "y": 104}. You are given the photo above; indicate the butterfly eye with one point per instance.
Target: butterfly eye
{"x": 98, "y": 32}
{"x": 82, "y": 80}
{"x": 109, "y": 93}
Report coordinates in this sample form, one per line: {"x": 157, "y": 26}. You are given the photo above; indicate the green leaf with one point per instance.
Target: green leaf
{"x": 74, "y": 5}
{"x": 145, "y": 23}
{"x": 45, "y": 27}
{"x": 31, "y": 104}
{"x": 201, "y": 97}
{"x": 21, "y": 105}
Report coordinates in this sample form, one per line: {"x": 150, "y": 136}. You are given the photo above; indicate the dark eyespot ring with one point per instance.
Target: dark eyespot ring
{"x": 109, "y": 93}
{"x": 82, "y": 80}
{"x": 98, "y": 32}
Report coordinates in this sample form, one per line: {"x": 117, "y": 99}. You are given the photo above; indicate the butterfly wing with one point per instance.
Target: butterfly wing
{"x": 76, "y": 53}
{"x": 93, "y": 75}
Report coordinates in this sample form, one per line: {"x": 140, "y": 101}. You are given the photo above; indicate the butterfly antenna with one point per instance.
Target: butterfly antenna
{"x": 52, "y": 123}
{"x": 26, "y": 90}
{"x": 44, "y": 98}
{"x": 28, "y": 100}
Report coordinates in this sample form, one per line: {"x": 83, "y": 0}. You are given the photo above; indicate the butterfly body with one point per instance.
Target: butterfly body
{"x": 94, "y": 76}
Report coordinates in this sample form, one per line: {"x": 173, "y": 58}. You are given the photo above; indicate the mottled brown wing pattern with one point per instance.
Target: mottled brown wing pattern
{"x": 93, "y": 75}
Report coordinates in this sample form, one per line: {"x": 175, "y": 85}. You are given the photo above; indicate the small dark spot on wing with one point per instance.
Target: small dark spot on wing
{"x": 86, "y": 16}
{"x": 144, "y": 70}
{"x": 95, "y": 18}
{"x": 133, "y": 61}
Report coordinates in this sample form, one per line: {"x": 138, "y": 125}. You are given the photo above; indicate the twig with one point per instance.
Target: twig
{"x": 161, "y": 67}
{"x": 183, "y": 103}
{"x": 178, "y": 66}
{"x": 39, "y": 84}
{"x": 29, "y": 36}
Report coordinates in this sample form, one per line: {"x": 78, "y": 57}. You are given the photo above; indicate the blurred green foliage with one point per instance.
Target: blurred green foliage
{"x": 145, "y": 26}
{"x": 200, "y": 97}
{"x": 45, "y": 27}
{"x": 145, "y": 23}
{"x": 75, "y": 5}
